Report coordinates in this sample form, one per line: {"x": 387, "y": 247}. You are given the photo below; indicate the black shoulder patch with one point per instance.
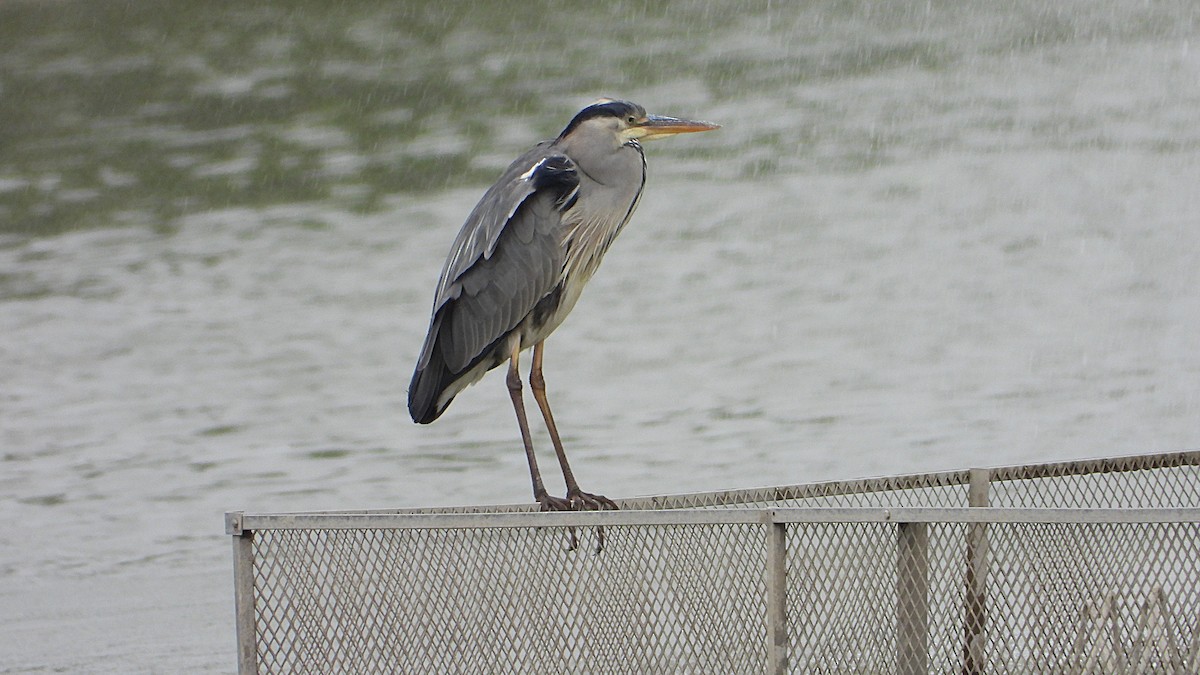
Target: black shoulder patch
{"x": 556, "y": 175}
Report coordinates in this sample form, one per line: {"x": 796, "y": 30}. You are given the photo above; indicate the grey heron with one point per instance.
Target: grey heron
{"x": 521, "y": 260}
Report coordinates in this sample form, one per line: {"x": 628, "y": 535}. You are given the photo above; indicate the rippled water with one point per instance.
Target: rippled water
{"x": 930, "y": 235}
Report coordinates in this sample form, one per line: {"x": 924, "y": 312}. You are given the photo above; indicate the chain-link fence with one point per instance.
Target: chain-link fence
{"x": 1076, "y": 567}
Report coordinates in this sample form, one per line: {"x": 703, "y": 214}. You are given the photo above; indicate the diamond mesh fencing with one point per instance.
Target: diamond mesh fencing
{"x": 1156, "y": 481}
{"x": 511, "y": 599}
{"x": 1131, "y": 589}
{"x": 1065, "y": 597}
{"x": 1084, "y": 567}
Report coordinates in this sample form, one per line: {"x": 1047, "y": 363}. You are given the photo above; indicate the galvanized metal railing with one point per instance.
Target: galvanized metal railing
{"x": 1070, "y": 567}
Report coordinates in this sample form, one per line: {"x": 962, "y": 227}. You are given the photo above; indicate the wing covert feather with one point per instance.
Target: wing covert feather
{"x": 507, "y": 257}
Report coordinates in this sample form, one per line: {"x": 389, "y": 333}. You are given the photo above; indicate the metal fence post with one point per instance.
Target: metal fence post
{"x": 243, "y": 592}
{"x": 912, "y": 599}
{"x": 975, "y": 593}
{"x": 776, "y": 578}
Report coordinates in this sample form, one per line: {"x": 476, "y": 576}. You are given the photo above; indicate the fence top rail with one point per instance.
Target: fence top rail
{"x": 238, "y": 522}
{"x": 1118, "y": 464}
{"x": 747, "y": 497}
{"x": 939, "y": 479}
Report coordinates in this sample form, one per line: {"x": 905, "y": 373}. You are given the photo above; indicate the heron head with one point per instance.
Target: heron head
{"x": 630, "y": 122}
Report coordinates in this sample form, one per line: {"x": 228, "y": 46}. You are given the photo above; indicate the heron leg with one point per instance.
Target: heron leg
{"x": 580, "y": 500}
{"x": 543, "y": 498}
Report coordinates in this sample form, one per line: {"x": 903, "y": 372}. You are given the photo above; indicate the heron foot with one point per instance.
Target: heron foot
{"x": 578, "y": 500}
{"x": 585, "y": 501}
{"x": 549, "y": 503}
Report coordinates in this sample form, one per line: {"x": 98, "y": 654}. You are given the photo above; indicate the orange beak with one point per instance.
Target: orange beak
{"x": 658, "y": 126}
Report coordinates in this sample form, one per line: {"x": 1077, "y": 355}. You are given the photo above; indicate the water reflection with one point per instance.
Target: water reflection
{"x": 127, "y": 113}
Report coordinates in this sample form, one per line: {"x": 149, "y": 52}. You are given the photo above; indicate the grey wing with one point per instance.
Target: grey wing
{"x": 507, "y": 257}
{"x": 481, "y": 232}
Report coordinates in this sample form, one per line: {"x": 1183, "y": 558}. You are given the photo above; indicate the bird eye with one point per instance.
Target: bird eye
{"x": 631, "y": 119}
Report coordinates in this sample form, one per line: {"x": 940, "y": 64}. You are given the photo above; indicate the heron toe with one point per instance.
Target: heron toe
{"x": 585, "y": 501}
{"x": 549, "y": 502}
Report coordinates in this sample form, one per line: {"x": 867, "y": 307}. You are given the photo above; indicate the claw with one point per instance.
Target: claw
{"x": 585, "y": 501}
{"x": 549, "y": 503}
{"x": 578, "y": 500}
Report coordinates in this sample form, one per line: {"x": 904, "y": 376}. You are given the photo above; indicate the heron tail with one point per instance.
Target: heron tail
{"x": 430, "y": 378}
{"x": 433, "y": 376}
{"x": 427, "y": 385}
